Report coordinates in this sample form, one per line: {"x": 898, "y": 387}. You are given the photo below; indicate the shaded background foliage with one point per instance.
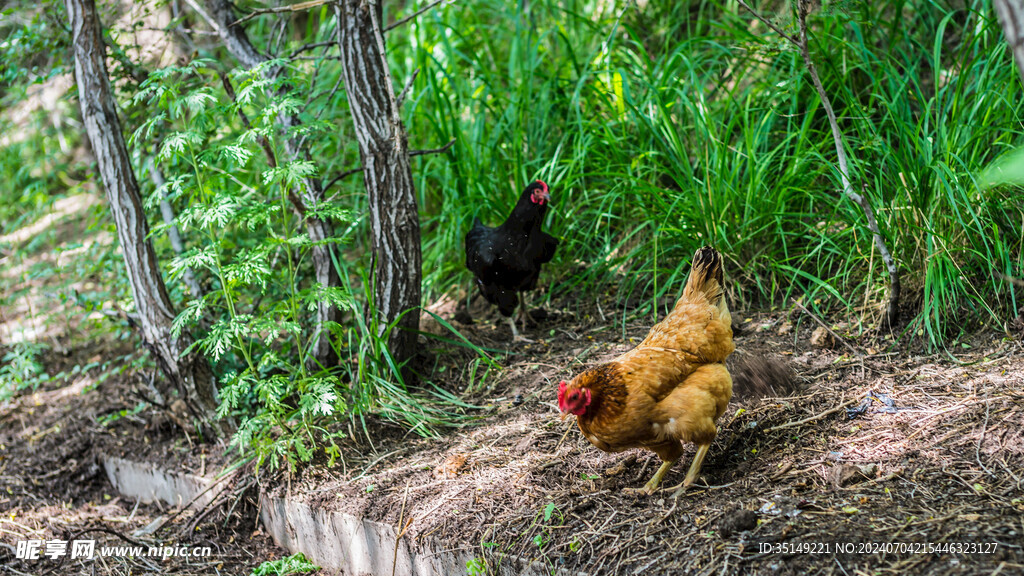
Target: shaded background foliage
{"x": 660, "y": 126}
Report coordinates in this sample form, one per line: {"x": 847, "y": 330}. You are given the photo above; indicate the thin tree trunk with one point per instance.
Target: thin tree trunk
{"x": 1011, "y": 16}
{"x": 190, "y": 375}
{"x": 220, "y": 15}
{"x": 383, "y": 147}
{"x": 892, "y": 308}
{"x": 173, "y": 233}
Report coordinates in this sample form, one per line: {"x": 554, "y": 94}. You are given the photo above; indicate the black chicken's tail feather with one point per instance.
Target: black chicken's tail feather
{"x": 705, "y": 276}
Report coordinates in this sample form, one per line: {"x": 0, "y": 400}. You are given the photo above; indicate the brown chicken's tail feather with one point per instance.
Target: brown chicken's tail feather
{"x": 706, "y": 276}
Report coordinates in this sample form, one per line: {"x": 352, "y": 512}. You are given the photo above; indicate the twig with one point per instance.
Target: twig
{"x": 412, "y": 153}
{"x": 390, "y": 27}
{"x": 205, "y": 16}
{"x": 408, "y": 85}
{"x": 374, "y": 463}
{"x": 282, "y": 24}
{"x": 277, "y": 10}
{"x": 768, "y": 23}
{"x": 813, "y": 418}
{"x": 342, "y": 176}
{"x": 1010, "y": 279}
{"x": 401, "y": 530}
{"x": 444, "y": 148}
{"x": 567, "y": 430}
{"x": 981, "y": 438}
{"x": 825, "y": 326}
{"x": 260, "y": 138}
{"x": 337, "y": 84}
{"x": 892, "y": 308}
{"x": 212, "y": 485}
{"x": 310, "y": 46}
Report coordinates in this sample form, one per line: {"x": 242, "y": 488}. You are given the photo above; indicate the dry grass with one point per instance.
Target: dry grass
{"x": 944, "y": 468}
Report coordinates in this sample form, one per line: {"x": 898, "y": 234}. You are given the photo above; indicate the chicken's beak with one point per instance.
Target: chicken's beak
{"x": 564, "y": 416}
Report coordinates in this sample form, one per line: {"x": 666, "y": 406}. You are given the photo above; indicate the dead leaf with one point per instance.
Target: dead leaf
{"x": 450, "y": 467}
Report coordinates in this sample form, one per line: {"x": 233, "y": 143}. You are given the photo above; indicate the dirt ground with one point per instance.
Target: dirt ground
{"x": 843, "y": 457}
{"x": 933, "y": 457}
{"x": 862, "y": 462}
{"x": 53, "y": 486}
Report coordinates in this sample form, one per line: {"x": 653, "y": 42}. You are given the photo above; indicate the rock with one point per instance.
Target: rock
{"x": 621, "y": 466}
{"x": 737, "y": 520}
{"x": 869, "y": 470}
{"x": 451, "y": 466}
{"x": 845, "y": 474}
{"x": 821, "y": 338}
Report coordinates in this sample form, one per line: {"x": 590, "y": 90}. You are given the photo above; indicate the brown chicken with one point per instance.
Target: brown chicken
{"x": 669, "y": 389}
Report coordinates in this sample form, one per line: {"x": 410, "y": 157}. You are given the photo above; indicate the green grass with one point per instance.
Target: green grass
{"x": 660, "y": 126}
{"x": 657, "y": 145}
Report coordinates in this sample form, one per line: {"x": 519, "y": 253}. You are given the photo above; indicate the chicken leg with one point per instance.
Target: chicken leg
{"x": 655, "y": 481}
{"x": 516, "y": 336}
{"x": 524, "y": 314}
{"x": 691, "y": 475}
{"x": 520, "y": 314}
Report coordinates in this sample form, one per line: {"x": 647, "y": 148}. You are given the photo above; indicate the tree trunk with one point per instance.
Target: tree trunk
{"x": 1011, "y": 16}
{"x": 189, "y": 375}
{"x": 220, "y": 14}
{"x": 383, "y": 147}
{"x": 173, "y": 233}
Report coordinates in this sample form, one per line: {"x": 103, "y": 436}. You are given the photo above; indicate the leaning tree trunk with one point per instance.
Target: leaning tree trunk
{"x": 220, "y": 15}
{"x": 1011, "y": 15}
{"x": 383, "y": 147}
{"x": 190, "y": 374}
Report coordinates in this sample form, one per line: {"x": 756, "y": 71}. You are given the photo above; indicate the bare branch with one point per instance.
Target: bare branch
{"x": 390, "y": 27}
{"x": 290, "y": 8}
{"x": 408, "y": 85}
{"x": 337, "y": 84}
{"x": 821, "y": 322}
{"x": 260, "y": 138}
{"x": 316, "y": 58}
{"x": 205, "y": 16}
{"x": 234, "y": 38}
{"x": 1010, "y": 279}
{"x": 412, "y": 153}
{"x": 768, "y": 23}
{"x": 892, "y": 308}
{"x": 278, "y": 36}
{"x": 342, "y": 176}
{"x": 433, "y": 150}
{"x": 310, "y": 46}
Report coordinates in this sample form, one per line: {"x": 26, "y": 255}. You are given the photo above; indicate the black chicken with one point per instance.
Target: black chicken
{"x": 506, "y": 260}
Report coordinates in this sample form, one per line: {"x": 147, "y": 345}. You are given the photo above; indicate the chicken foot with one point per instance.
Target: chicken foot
{"x": 516, "y": 336}
{"x": 521, "y": 314}
{"x": 655, "y": 481}
{"x": 691, "y": 475}
{"x": 524, "y": 313}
